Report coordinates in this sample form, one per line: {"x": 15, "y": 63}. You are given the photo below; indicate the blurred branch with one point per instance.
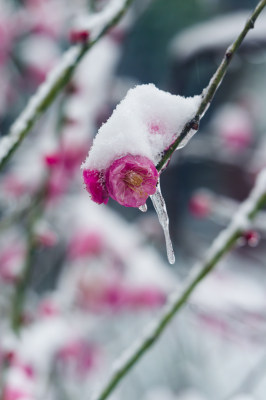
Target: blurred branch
{"x": 222, "y": 244}
{"x": 20, "y": 290}
{"x": 24, "y": 208}
{"x": 209, "y": 92}
{"x": 48, "y": 91}
{"x": 34, "y": 211}
{"x": 23, "y": 282}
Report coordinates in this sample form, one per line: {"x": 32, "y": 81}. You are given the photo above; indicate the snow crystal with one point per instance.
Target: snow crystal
{"x": 145, "y": 123}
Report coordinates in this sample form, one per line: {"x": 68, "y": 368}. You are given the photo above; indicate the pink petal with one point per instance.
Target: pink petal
{"x": 130, "y": 180}
{"x": 95, "y": 186}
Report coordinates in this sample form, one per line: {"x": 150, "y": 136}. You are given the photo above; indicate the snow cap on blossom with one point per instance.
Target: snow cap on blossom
{"x": 121, "y": 162}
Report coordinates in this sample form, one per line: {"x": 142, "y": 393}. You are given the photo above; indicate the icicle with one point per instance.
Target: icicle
{"x": 160, "y": 208}
{"x": 143, "y": 208}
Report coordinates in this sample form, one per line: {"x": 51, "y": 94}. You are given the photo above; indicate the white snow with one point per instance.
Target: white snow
{"x": 32, "y": 109}
{"x": 127, "y": 241}
{"x": 145, "y": 123}
{"x": 216, "y": 34}
{"x": 39, "y": 51}
{"x": 229, "y": 293}
{"x": 241, "y": 220}
{"x": 95, "y": 23}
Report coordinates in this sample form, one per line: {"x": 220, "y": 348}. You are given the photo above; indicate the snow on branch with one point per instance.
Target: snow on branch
{"x": 224, "y": 242}
{"x": 58, "y": 78}
{"x": 209, "y": 92}
{"x": 94, "y": 23}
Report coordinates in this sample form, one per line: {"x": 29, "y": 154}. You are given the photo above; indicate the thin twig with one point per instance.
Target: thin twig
{"x": 209, "y": 92}
{"x": 35, "y": 211}
{"x": 23, "y": 282}
{"x": 48, "y": 91}
{"x": 223, "y": 243}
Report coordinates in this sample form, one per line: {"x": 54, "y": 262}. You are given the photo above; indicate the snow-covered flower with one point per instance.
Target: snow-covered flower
{"x": 129, "y": 180}
{"x": 122, "y": 159}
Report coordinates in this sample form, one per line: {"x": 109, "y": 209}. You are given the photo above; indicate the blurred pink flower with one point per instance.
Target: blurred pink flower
{"x": 46, "y": 238}
{"x": 13, "y": 185}
{"x": 8, "y": 357}
{"x": 200, "y": 205}
{"x": 103, "y": 295}
{"x": 79, "y": 36}
{"x": 57, "y": 185}
{"x": 84, "y": 244}
{"x": 147, "y": 297}
{"x": 10, "y": 393}
{"x": 94, "y": 182}
{"x": 68, "y": 156}
{"x": 130, "y": 180}
{"x": 251, "y": 238}
{"x": 118, "y": 296}
{"x": 11, "y": 261}
{"x": 48, "y": 308}
{"x": 237, "y": 139}
{"x": 79, "y": 354}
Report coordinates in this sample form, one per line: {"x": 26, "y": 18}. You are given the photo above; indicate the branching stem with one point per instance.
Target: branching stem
{"x": 17, "y": 306}
{"x": 210, "y": 90}
{"x": 221, "y": 245}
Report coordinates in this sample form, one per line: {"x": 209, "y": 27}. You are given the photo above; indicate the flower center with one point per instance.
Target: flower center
{"x": 133, "y": 179}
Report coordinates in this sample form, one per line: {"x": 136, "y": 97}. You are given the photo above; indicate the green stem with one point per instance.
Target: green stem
{"x": 209, "y": 92}
{"x": 224, "y": 242}
{"x": 45, "y": 97}
{"x": 20, "y": 291}
{"x": 23, "y": 282}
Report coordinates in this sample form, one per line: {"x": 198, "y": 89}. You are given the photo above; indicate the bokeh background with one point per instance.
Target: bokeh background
{"x": 99, "y": 274}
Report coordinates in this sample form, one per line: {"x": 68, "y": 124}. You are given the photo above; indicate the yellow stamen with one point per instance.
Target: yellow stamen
{"x": 133, "y": 179}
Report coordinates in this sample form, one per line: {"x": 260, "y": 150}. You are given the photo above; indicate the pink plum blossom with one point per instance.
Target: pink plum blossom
{"x": 95, "y": 186}
{"x": 130, "y": 180}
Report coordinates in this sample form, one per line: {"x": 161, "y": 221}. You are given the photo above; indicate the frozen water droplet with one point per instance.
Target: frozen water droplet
{"x": 143, "y": 208}
{"x": 160, "y": 208}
